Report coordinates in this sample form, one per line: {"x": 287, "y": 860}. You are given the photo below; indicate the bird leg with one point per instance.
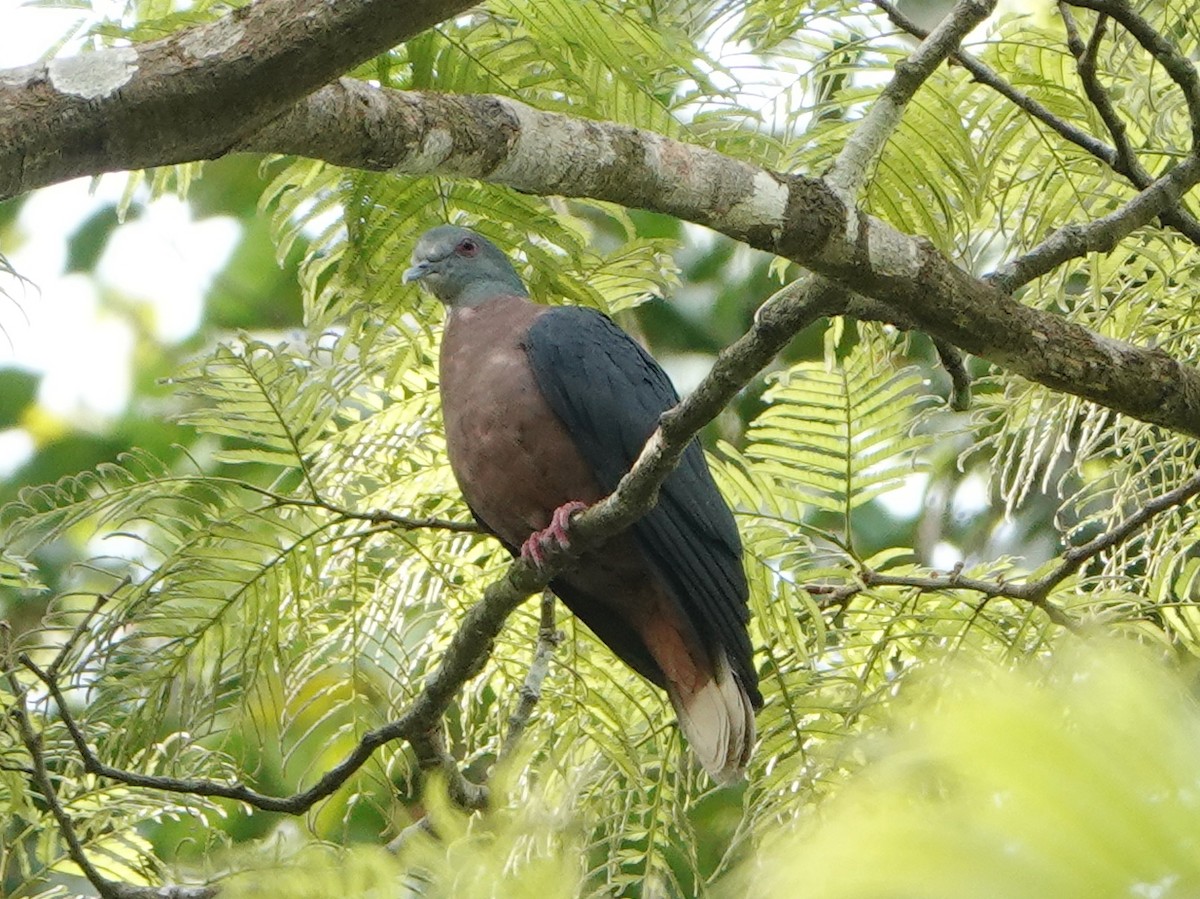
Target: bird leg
{"x": 534, "y": 548}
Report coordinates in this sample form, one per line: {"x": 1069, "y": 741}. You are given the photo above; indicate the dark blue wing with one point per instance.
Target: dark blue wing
{"x": 609, "y": 393}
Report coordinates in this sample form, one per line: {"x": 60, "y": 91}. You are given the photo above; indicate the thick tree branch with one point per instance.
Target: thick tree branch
{"x": 802, "y": 219}
{"x": 192, "y": 95}
{"x": 350, "y": 123}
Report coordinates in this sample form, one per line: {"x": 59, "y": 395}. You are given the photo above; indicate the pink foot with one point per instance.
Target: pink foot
{"x": 533, "y": 550}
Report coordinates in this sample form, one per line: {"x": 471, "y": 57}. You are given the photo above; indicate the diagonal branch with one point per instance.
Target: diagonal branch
{"x": 988, "y": 77}
{"x": 802, "y": 219}
{"x": 1036, "y": 591}
{"x": 1181, "y": 69}
{"x": 427, "y": 743}
{"x": 469, "y": 648}
{"x": 848, "y": 174}
{"x": 870, "y": 135}
{"x": 1103, "y": 234}
{"x": 1178, "y": 218}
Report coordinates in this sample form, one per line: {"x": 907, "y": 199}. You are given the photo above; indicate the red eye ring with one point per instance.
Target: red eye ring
{"x": 467, "y": 247}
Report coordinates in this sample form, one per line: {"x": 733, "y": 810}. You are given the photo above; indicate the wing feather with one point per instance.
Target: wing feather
{"x": 609, "y": 394}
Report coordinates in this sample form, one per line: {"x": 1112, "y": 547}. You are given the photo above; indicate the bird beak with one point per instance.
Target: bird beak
{"x": 416, "y": 273}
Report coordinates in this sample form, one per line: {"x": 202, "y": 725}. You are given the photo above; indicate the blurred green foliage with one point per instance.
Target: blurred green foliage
{"x": 1071, "y": 777}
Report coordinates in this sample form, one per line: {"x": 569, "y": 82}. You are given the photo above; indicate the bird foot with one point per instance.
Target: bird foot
{"x": 533, "y": 550}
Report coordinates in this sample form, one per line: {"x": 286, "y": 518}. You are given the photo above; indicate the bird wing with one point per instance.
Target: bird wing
{"x": 609, "y": 394}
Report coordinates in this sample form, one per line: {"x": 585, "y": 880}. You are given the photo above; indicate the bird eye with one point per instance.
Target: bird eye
{"x": 467, "y": 247}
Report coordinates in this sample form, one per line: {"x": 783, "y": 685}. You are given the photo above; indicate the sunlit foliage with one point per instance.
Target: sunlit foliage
{"x": 258, "y": 620}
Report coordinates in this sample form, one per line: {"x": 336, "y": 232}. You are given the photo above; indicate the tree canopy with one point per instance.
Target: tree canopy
{"x": 928, "y": 297}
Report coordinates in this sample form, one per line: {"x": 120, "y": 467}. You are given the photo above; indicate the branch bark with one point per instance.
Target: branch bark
{"x": 804, "y": 219}
{"x": 192, "y": 95}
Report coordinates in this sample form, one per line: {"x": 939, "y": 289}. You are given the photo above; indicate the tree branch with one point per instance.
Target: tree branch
{"x": 870, "y": 135}
{"x": 501, "y": 140}
{"x": 986, "y": 76}
{"x": 192, "y": 95}
{"x": 40, "y": 775}
{"x": 531, "y": 691}
{"x": 427, "y": 744}
{"x": 1177, "y": 65}
{"x": 803, "y": 219}
{"x": 1103, "y": 234}
{"x": 1178, "y": 218}
{"x": 1086, "y": 55}
{"x": 470, "y": 646}
{"x": 1036, "y": 591}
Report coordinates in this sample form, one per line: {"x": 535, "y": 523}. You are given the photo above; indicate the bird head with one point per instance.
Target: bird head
{"x": 461, "y": 268}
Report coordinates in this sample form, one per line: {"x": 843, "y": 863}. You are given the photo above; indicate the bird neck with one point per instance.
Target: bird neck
{"x": 479, "y": 292}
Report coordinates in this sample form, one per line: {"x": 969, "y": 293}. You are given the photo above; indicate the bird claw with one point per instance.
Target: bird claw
{"x": 533, "y": 550}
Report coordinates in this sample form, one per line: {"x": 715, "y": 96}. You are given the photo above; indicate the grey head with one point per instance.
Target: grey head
{"x": 462, "y": 269}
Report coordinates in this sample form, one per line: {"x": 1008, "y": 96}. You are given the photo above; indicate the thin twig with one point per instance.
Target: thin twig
{"x": 1086, "y": 56}
{"x": 1076, "y": 557}
{"x": 531, "y": 690}
{"x": 377, "y": 516}
{"x": 1035, "y": 592}
{"x": 78, "y": 631}
{"x": 956, "y": 580}
{"x": 427, "y": 744}
{"x": 39, "y": 774}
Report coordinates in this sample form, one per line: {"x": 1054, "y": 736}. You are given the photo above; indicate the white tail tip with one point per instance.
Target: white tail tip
{"x": 718, "y": 721}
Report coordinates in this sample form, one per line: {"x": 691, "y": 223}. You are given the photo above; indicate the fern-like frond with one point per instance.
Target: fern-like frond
{"x": 836, "y": 440}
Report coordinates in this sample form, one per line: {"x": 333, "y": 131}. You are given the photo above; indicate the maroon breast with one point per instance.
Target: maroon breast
{"x": 512, "y": 457}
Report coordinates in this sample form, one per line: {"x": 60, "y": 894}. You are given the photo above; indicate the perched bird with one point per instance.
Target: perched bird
{"x": 545, "y": 409}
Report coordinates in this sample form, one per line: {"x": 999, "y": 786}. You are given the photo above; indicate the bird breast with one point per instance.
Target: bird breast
{"x": 513, "y": 459}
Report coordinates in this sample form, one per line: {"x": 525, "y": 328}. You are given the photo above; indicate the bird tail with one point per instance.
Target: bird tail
{"x": 717, "y": 718}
